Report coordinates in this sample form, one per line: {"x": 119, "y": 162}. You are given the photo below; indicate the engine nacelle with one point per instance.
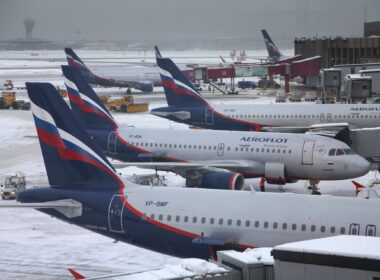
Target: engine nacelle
{"x": 275, "y": 173}
{"x": 215, "y": 180}
{"x": 144, "y": 87}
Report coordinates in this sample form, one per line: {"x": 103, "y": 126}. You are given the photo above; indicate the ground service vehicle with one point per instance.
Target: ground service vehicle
{"x": 12, "y": 186}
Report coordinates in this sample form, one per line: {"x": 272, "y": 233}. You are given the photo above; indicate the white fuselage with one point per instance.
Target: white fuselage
{"x": 302, "y": 155}
{"x": 304, "y": 114}
{"x": 256, "y": 219}
{"x": 129, "y": 74}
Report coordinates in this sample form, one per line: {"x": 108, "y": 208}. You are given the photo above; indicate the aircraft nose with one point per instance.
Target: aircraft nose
{"x": 360, "y": 166}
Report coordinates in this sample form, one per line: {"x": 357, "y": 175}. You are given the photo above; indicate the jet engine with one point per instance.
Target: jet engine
{"x": 275, "y": 173}
{"x": 215, "y": 180}
{"x": 144, "y": 86}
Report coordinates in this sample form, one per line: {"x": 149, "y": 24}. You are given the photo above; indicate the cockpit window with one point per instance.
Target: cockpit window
{"x": 332, "y": 152}
{"x": 348, "y": 151}
{"x": 339, "y": 152}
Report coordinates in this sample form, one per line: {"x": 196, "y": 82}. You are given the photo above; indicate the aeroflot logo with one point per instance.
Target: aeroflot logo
{"x": 264, "y": 139}
{"x": 365, "y": 109}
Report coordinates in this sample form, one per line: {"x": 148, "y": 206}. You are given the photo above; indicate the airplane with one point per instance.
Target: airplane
{"x": 182, "y": 222}
{"x": 186, "y": 105}
{"x": 212, "y": 158}
{"x": 137, "y": 77}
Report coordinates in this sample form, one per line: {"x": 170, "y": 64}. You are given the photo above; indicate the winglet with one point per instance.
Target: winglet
{"x": 157, "y": 51}
{"x": 358, "y": 186}
{"x": 76, "y": 274}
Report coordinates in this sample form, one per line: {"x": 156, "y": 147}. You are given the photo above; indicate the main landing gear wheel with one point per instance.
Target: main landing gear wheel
{"x": 313, "y": 186}
{"x": 129, "y": 91}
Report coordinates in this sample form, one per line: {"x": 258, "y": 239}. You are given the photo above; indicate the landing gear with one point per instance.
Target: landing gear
{"x": 313, "y": 186}
{"x": 129, "y": 91}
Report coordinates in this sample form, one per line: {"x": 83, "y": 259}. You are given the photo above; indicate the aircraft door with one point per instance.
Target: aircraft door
{"x": 112, "y": 138}
{"x": 370, "y": 230}
{"x": 322, "y": 117}
{"x": 307, "y": 152}
{"x": 220, "y": 149}
{"x": 115, "y": 214}
{"x": 209, "y": 116}
{"x": 354, "y": 229}
{"x": 329, "y": 117}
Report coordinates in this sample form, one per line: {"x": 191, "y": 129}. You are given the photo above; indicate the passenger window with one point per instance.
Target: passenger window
{"x": 247, "y": 223}
{"x": 160, "y": 217}
{"x": 238, "y": 223}
{"x": 228, "y": 148}
{"x": 203, "y": 220}
{"x": 169, "y": 218}
{"x": 312, "y": 228}
{"x": 194, "y": 220}
{"x": 342, "y": 230}
{"x": 220, "y": 221}
{"x": 266, "y": 224}
{"x": 152, "y": 216}
{"x": 229, "y": 222}
{"x": 180, "y": 146}
{"x": 294, "y": 226}
{"x": 323, "y": 228}
{"x": 257, "y": 224}
{"x": 332, "y": 152}
{"x": 275, "y": 225}
{"x": 332, "y": 229}
{"x": 186, "y": 219}
{"x": 303, "y": 227}
{"x": 170, "y": 145}
{"x": 212, "y": 221}
{"x": 284, "y": 225}
{"x": 175, "y": 145}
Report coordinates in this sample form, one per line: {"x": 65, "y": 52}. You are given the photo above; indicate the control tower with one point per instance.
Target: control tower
{"x": 29, "y": 26}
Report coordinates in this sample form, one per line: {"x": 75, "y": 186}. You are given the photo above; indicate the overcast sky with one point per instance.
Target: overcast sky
{"x": 124, "y": 19}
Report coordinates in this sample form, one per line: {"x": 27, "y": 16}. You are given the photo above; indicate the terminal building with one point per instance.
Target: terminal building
{"x": 342, "y": 50}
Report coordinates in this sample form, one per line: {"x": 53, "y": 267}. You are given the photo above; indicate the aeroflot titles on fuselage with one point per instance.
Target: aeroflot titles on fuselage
{"x": 365, "y": 109}
{"x": 264, "y": 139}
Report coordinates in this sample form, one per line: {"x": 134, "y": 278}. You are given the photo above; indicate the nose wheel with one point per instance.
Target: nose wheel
{"x": 313, "y": 186}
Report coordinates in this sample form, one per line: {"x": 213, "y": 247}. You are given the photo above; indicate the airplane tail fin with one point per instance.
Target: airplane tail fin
{"x": 157, "y": 52}
{"x": 273, "y": 51}
{"x": 178, "y": 90}
{"x": 85, "y": 103}
{"x": 70, "y": 155}
{"x": 74, "y": 60}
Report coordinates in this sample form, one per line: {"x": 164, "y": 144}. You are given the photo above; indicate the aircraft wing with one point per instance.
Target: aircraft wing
{"x": 329, "y": 129}
{"x": 202, "y": 166}
{"x": 70, "y": 208}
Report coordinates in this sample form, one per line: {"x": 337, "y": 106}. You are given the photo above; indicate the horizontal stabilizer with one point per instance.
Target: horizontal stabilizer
{"x": 68, "y": 207}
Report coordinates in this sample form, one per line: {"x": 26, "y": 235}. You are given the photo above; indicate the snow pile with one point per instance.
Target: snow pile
{"x": 189, "y": 268}
{"x": 201, "y": 267}
{"x": 261, "y": 254}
